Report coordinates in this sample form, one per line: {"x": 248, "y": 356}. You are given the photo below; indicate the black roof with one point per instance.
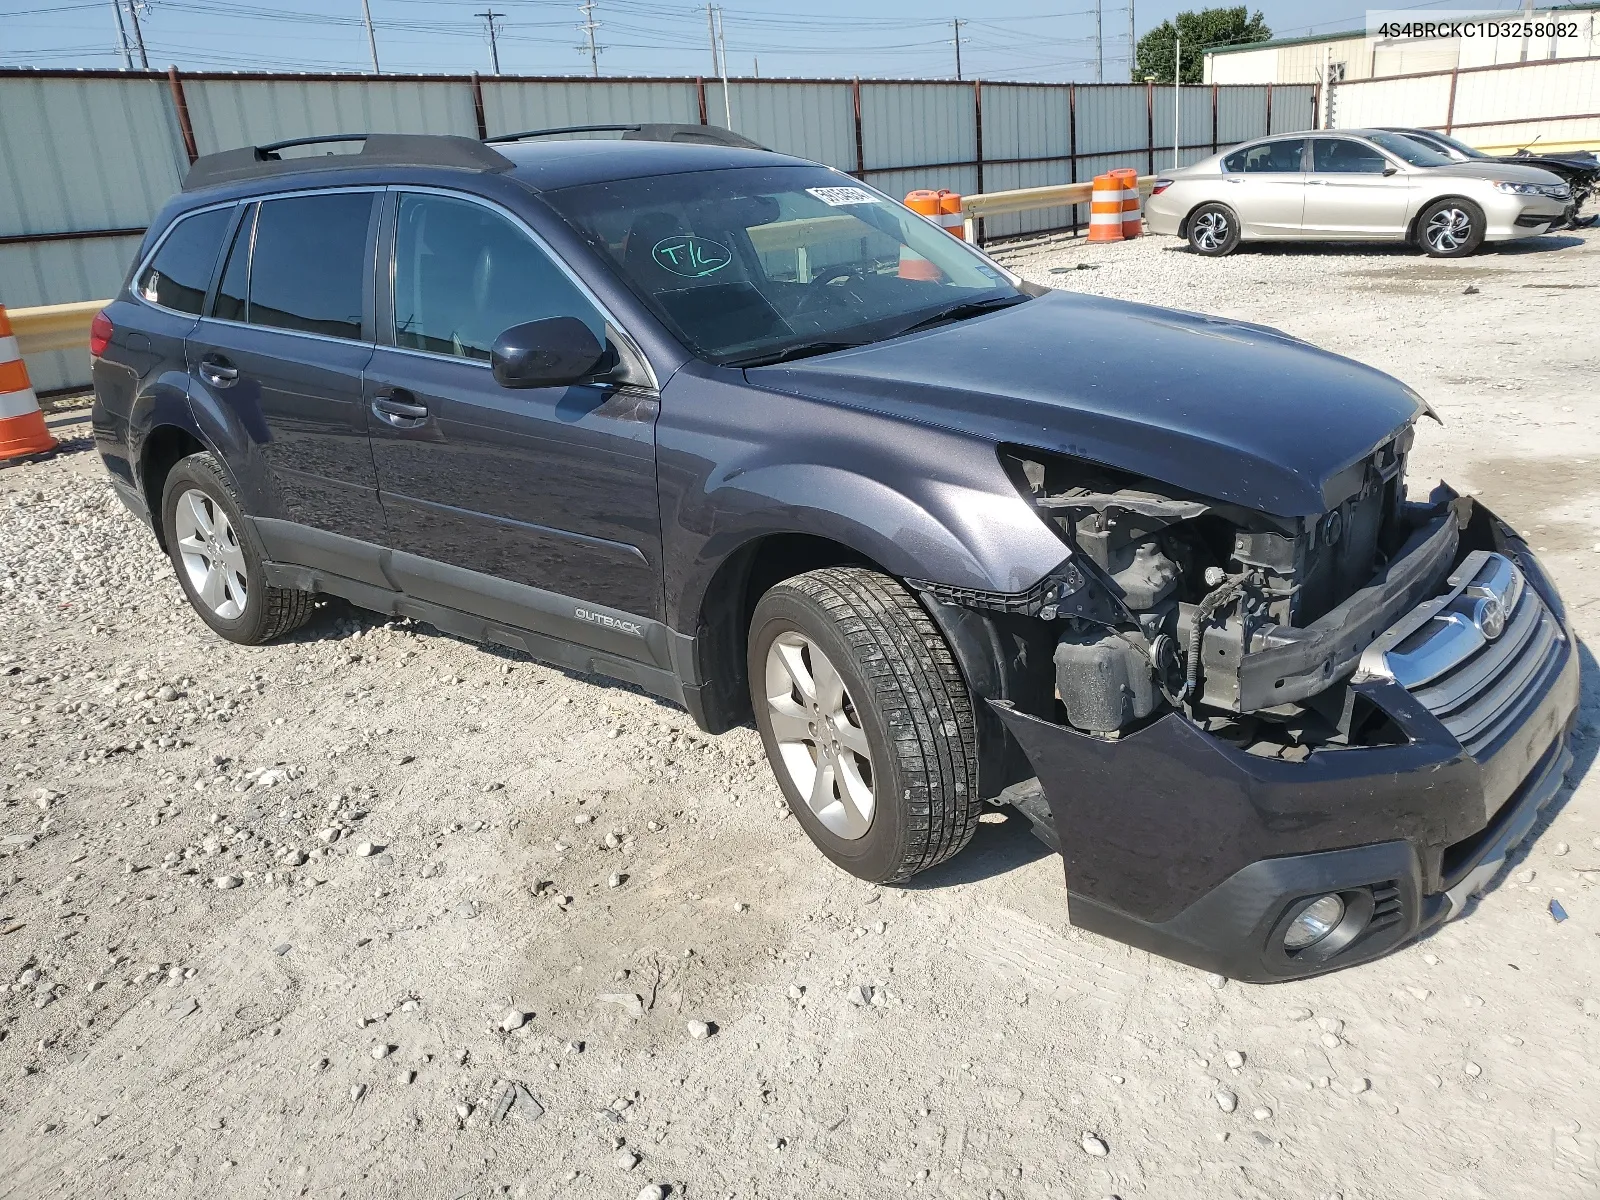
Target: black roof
{"x": 541, "y": 165}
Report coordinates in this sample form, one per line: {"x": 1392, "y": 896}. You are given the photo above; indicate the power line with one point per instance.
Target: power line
{"x": 494, "y": 47}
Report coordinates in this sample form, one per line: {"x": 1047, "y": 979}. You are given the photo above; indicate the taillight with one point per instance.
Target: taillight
{"x": 1161, "y": 185}
{"x": 100, "y": 331}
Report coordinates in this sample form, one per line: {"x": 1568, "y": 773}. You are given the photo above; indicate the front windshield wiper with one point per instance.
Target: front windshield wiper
{"x": 959, "y": 312}
{"x": 803, "y": 350}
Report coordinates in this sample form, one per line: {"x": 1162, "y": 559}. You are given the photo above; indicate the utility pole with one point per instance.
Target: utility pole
{"x": 494, "y": 46}
{"x": 1177, "y": 85}
{"x": 727, "y": 95}
{"x": 588, "y": 27}
{"x": 1099, "y": 43}
{"x": 122, "y": 36}
{"x": 1133, "y": 45}
{"x": 711, "y": 29}
{"x": 756, "y": 62}
{"x": 372, "y": 38}
{"x": 138, "y": 35}
{"x": 957, "y": 23}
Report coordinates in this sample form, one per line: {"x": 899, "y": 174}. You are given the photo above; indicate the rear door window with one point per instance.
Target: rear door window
{"x": 180, "y": 273}
{"x": 1267, "y": 157}
{"x": 309, "y": 263}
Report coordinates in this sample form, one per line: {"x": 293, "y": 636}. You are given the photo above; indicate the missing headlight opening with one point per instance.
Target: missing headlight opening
{"x": 1246, "y": 622}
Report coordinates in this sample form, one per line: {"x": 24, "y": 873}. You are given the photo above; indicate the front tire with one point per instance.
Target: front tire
{"x": 217, "y": 560}
{"x": 1451, "y": 228}
{"x": 1213, "y": 230}
{"x": 867, "y": 722}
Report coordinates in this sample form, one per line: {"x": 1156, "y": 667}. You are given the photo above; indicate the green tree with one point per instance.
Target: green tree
{"x": 1201, "y": 31}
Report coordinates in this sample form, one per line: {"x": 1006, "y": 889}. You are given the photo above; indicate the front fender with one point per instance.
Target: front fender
{"x": 737, "y": 464}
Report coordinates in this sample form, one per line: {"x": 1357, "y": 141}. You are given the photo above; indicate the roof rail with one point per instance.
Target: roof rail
{"x": 378, "y": 149}
{"x": 706, "y": 135}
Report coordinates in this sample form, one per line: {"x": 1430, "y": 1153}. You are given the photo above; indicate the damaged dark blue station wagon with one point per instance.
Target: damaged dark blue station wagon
{"x": 737, "y": 429}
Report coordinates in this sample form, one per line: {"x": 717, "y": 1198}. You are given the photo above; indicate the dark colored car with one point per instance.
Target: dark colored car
{"x": 737, "y": 429}
{"x": 1579, "y": 168}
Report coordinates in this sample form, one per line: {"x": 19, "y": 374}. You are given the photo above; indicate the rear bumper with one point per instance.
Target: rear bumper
{"x": 1192, "y": 849}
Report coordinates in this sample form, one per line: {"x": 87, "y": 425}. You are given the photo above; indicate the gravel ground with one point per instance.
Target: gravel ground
{"x": 374, "y": 912}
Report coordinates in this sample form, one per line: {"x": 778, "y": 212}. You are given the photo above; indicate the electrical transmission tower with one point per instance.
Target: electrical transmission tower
{"x": 587, "y": 28}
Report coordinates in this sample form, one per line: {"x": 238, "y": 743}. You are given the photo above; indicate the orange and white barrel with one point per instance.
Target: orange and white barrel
{"x": 1132, "y": 206}
{"x": 22, "y": 428}
{"x": 1105, "y": 210}
{"x": 925, "y": 203}
{"x": 950, "y": 214}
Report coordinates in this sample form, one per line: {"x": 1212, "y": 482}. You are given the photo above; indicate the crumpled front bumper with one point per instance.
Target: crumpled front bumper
{"x": 1192, "y": 849}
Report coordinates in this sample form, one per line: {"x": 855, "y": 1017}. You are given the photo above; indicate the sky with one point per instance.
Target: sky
{"x": 1000, "y": 39}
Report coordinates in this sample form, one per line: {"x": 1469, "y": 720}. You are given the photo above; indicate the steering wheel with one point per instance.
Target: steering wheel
{"x": 837, "y": 273}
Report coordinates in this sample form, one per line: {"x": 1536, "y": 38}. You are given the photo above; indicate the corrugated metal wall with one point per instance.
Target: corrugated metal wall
{"x": 1556, "y": 101}
{"x": 87, "y": 153}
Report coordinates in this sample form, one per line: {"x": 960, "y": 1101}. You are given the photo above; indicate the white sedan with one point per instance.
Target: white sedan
{"x": 1363, "y": 185}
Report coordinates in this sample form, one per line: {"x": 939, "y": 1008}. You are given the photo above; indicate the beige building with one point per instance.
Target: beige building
{"x": 1352, "y": 55}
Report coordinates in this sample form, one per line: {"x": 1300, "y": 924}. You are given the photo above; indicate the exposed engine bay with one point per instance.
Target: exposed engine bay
{"x": 1250, "y": 624}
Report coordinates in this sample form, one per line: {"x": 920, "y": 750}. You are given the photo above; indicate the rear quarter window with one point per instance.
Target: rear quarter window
{"x": 180, "y": 273}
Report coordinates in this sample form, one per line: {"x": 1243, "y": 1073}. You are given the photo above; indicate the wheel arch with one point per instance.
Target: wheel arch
{"x": 161, "y": 449}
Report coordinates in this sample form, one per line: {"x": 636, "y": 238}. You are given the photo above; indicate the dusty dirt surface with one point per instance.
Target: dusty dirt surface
{"x": 374, "y": 912}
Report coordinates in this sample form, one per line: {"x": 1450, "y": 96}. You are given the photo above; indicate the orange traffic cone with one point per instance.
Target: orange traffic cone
{"x": 1132, "y": 208}
{"x": 22, "y": 429}
{"x": 1105, "y": 210}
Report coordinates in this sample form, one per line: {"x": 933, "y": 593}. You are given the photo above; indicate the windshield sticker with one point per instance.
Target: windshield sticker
{"x": 690, "y": 256}
{"x": 838, "y": 197}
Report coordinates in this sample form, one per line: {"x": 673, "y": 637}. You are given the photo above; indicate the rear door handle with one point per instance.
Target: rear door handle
{"x": 399, "y": 409}
{"x": 219, "y": 372}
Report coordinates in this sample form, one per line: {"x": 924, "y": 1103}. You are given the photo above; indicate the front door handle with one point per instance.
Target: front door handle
{"x": 219, "y": 372}
{"x": 399, "y": 410}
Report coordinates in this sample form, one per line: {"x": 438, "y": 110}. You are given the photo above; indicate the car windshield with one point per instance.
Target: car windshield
{"x": 756, "y": 264}
{"x": 1455, "y": 144}
{"x": 1413, "y": 152}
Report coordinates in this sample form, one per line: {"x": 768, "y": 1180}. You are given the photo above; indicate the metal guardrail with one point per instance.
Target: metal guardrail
{"x": 989, "y": 204}
{"x": 53, "y": 326}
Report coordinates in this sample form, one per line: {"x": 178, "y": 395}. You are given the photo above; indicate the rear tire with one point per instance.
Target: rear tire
{"x": 1213, "y": 230}
{"x": 1451, "y": 228}
{"x": 217, "y": 560}
{"x": 891, "y": 712}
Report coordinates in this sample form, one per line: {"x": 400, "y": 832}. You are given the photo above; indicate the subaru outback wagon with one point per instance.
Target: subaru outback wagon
{"x": 740, "y": 430}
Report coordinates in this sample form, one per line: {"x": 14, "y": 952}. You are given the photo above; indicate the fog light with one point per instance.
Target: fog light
{"x": 1320, "y": 918}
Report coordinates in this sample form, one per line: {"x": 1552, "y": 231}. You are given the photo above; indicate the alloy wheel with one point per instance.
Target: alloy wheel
{"x": 819, "y": 736}
{"x": 211, "y": 553}
{"x": 1210, "y": 231}
{"x": 1448, "y": 229}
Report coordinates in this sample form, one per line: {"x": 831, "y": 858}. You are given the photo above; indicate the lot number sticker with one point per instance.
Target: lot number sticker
{"x": 839, "y": 197}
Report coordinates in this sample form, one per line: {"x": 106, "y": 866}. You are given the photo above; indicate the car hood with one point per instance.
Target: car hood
{"x": 1508, "y": 171}
{"x": 1234, "y": 412}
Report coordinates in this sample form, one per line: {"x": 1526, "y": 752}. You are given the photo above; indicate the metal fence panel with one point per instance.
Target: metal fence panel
{"x": 1241, "y": 114}
{"x": 810, "y": 120}
{"x": 1550, "y": 89}
{"x": 1022, "y": 121}
{"x": 92, "y": 153}
{"x": 249, "y": 112}
{"x": 1292, "y": 108}
{"x": 1365, "y": 103}
{"x": 1194, "y": 121}
{"x": 908, "y": 124}
{"x": 58, "y": 273}
{"x": 510, "y": 106}
{"x": 1113, "y": 117}
{"x": 897, "y": 183}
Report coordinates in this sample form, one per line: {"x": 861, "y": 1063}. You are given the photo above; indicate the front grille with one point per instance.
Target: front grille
{"x": 1475, "y": 666}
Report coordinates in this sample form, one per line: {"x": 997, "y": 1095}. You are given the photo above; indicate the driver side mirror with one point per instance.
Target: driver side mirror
{"x": 554, "y": 352}
{"x": 1391, "y": 170}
